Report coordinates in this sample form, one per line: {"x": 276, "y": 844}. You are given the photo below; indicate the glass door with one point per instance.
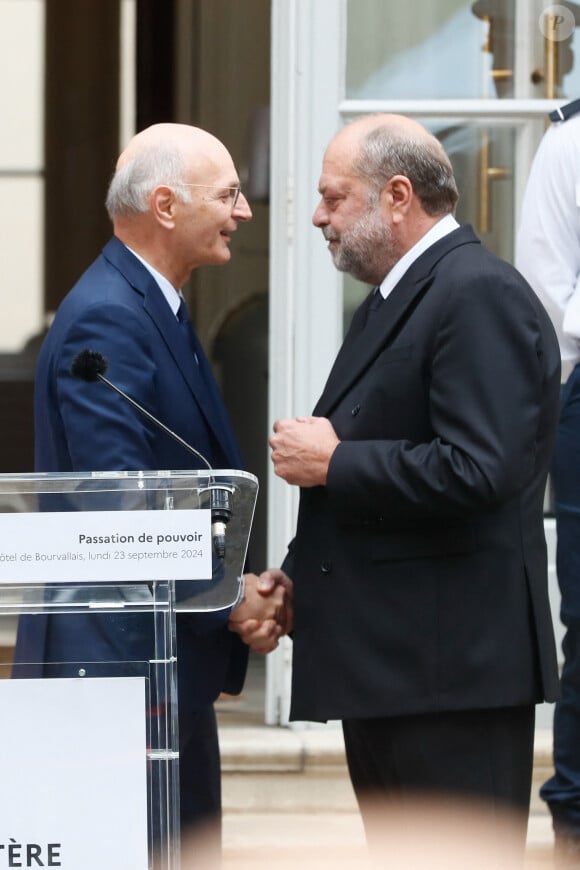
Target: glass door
{"x": 481, "y": 75}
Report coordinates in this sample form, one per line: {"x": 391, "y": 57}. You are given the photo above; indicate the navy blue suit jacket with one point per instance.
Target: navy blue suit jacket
{"x": 118, "y": 309}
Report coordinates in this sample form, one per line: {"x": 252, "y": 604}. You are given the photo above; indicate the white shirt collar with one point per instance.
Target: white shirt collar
{"x": 442, "y": 228}
{"x": 172, "y": 295}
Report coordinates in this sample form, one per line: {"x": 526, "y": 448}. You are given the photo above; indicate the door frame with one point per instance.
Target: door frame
{"x": 308, "y": 105}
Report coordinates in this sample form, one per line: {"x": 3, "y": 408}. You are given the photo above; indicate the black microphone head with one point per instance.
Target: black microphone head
{"x": 88, "y": 365}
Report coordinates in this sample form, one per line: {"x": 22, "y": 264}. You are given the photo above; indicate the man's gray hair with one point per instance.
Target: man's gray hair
{"x": 142, "y": 172}
{"x": 422, "y": 160}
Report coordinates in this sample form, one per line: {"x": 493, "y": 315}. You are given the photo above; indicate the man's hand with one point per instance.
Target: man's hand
{"x": 265, "y": 613}
{"x": 302, "y": 449}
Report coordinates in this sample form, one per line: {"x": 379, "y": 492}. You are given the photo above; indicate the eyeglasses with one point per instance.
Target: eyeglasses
{"x": 232, "y": 195}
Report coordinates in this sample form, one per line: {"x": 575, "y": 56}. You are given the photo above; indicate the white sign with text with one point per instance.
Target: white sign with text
{"x": 74, "y": 774}
{"x": 117, "y": 546}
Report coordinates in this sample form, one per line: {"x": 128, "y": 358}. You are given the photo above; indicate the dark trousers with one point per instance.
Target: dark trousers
{"x": 484, "y": 755}
{"x": 562, "y": 791}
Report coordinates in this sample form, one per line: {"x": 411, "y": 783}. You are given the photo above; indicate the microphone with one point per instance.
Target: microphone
{"x": 90, "y": 366}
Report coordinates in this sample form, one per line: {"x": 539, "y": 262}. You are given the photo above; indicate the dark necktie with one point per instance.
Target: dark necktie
{"x": 187, "y": 329}
{"x": 208, "y": 394}
{"x": 375, "y": 301}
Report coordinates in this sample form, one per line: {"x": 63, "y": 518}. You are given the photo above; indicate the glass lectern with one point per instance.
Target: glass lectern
{"x": 89, "y": 748}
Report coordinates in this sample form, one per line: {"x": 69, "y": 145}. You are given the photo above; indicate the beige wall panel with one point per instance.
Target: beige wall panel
{"x": 21, "y": 84}
{"x": 21, "y": 261}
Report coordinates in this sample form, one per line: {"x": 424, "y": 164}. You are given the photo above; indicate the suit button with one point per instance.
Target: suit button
{"x": 326, "y": 566}
{"x": 355, "y": 410}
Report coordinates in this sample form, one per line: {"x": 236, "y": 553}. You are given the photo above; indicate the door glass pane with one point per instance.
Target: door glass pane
{"x": 427, "y": 50}
{"x": 482, "y": 154}
{"x": 554, "y": 66}
{"x": 456, "y": 49}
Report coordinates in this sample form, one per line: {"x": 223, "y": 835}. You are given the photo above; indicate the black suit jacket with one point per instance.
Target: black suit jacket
{"x": 420, "y": 568}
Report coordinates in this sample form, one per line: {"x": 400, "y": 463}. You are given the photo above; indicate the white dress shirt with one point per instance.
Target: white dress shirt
{"x": 172, "y": 295}
{"x": 442, "y": 228}
{"x": 548, "y": 242}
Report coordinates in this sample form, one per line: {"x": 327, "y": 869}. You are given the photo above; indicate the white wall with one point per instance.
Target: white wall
{"x": 21, "y": 166}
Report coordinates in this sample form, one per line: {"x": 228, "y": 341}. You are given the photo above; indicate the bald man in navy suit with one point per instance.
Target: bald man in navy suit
{"x": 175, "y": 202}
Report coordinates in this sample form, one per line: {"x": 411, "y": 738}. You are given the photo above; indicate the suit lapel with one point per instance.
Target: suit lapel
{"x": 199, "y": 378}
{"x": 364, "y": 342}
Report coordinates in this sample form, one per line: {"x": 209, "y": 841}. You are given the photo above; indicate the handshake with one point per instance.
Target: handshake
{"x": 265, "y": 613}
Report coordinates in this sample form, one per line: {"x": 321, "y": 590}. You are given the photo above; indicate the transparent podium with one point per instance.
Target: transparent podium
{"x": 95, "y": 570}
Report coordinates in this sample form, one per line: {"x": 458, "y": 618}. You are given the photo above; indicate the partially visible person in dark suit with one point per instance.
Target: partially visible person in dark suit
{"x": 174, "y": 202}
{"x": 419, "y": 563}
{"x": 548, "y": 255}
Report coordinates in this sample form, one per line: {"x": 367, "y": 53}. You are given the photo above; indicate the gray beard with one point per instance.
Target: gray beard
{"x": 366, "y": 250}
